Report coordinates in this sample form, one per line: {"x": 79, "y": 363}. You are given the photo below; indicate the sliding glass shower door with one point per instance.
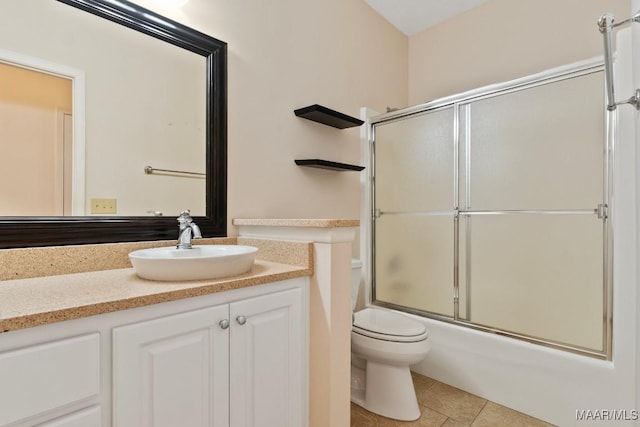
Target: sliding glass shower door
{"x": 414, "y": 199}
{"x": 491, "y": 211}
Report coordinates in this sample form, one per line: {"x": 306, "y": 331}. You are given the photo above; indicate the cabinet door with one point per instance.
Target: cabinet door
{"x": 173, "y": 371}
{"x": 266, "y": 361}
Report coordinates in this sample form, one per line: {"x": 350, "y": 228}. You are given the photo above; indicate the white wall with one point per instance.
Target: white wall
{"x": 287, "y": 54}
{"x": 502, "y": 40}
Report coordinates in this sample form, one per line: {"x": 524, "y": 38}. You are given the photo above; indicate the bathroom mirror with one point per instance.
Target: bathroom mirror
{"x": 146, "y": 92}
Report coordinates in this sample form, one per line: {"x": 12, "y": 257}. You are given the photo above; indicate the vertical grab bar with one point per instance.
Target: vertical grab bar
{"x": 606, "y": 24}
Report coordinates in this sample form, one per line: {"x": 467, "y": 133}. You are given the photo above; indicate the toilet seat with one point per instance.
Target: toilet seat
{"x": 388, "y": 326}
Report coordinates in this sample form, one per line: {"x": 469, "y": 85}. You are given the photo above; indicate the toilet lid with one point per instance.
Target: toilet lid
{"x": 387, "y": 325}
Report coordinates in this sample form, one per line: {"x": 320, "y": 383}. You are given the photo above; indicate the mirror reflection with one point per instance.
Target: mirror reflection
{"x": 85, "y": 106}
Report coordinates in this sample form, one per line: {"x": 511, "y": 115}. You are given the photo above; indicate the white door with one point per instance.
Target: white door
{"x": 173, "y": 371}
{"x": 266, "y": 361}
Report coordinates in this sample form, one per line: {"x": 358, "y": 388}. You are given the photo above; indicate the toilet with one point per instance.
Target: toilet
{"x": 383, "y": 346}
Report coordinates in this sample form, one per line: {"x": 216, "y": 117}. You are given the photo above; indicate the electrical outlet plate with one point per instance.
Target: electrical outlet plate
{"x": 103, "y": 206}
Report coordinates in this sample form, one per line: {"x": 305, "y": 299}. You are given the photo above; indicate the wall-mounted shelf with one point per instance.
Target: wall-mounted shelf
{"x": 327, "y": 164}
{"x": 327, "y": 116}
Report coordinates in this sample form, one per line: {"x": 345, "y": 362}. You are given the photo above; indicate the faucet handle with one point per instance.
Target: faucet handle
{"x": 185, "y": 216}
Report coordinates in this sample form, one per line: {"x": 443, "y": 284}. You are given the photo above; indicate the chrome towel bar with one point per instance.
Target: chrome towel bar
{"x": 151, "y": 170}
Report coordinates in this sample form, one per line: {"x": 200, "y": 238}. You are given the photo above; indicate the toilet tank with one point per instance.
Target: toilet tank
{"x": 356, "y": 270}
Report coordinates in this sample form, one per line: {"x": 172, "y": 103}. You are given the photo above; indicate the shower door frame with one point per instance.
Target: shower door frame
{"x": 603, "y": 211}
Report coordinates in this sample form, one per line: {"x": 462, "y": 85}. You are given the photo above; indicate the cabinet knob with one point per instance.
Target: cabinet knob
{"x": 224, "y": 324}
{"x": 241, "y": 320}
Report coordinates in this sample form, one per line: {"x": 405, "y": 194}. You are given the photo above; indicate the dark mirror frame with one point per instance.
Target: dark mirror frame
{"x": 20, "y": 232}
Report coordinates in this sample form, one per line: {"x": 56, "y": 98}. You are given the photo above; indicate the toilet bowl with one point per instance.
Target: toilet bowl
{"x": 383, "y": 346}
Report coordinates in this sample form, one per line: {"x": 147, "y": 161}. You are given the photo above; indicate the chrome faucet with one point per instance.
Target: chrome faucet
{"x": 188, "y": 230}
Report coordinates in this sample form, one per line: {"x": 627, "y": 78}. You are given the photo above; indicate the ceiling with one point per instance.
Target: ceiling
{"x": 413, "y": 16}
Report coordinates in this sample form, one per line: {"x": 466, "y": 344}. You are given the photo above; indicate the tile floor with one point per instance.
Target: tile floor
{"x": 444, "y": 406}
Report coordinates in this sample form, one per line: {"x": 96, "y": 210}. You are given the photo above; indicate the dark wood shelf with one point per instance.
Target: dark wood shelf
{"x": 327, "y": 164}
{"x": 327, "y": 116}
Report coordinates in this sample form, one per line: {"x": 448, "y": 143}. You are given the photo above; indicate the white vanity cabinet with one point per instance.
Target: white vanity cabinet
{"x": 232, "y": 358}
{"x": 237, "y": 364}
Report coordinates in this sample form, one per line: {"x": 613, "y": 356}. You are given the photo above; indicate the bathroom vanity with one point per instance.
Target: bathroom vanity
{"x": 108, "y": 348}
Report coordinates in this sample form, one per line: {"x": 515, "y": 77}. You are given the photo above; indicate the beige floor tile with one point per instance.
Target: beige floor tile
{"x": 361, "y": 418}
{"x": 421, "y": 383}
{"x": 452, "y": 402}
{"x": 494, "y": 415}
{"x": 453, "y": 423}
{"x": 428, "y": 418}
{"x": 384, "y": 422}
{"x": 365, "y": 418}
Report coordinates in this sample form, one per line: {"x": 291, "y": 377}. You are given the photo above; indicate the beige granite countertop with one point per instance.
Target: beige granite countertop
{"x": 70, "y": 293}
{"x": 37, "y": 301}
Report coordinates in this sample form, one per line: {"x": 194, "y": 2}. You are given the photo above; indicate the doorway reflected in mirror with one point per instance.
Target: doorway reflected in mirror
{"x": 35, "y": 142}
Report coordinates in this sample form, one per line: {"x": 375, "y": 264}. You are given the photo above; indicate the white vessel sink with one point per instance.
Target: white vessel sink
{"x": 199, "y": 263}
